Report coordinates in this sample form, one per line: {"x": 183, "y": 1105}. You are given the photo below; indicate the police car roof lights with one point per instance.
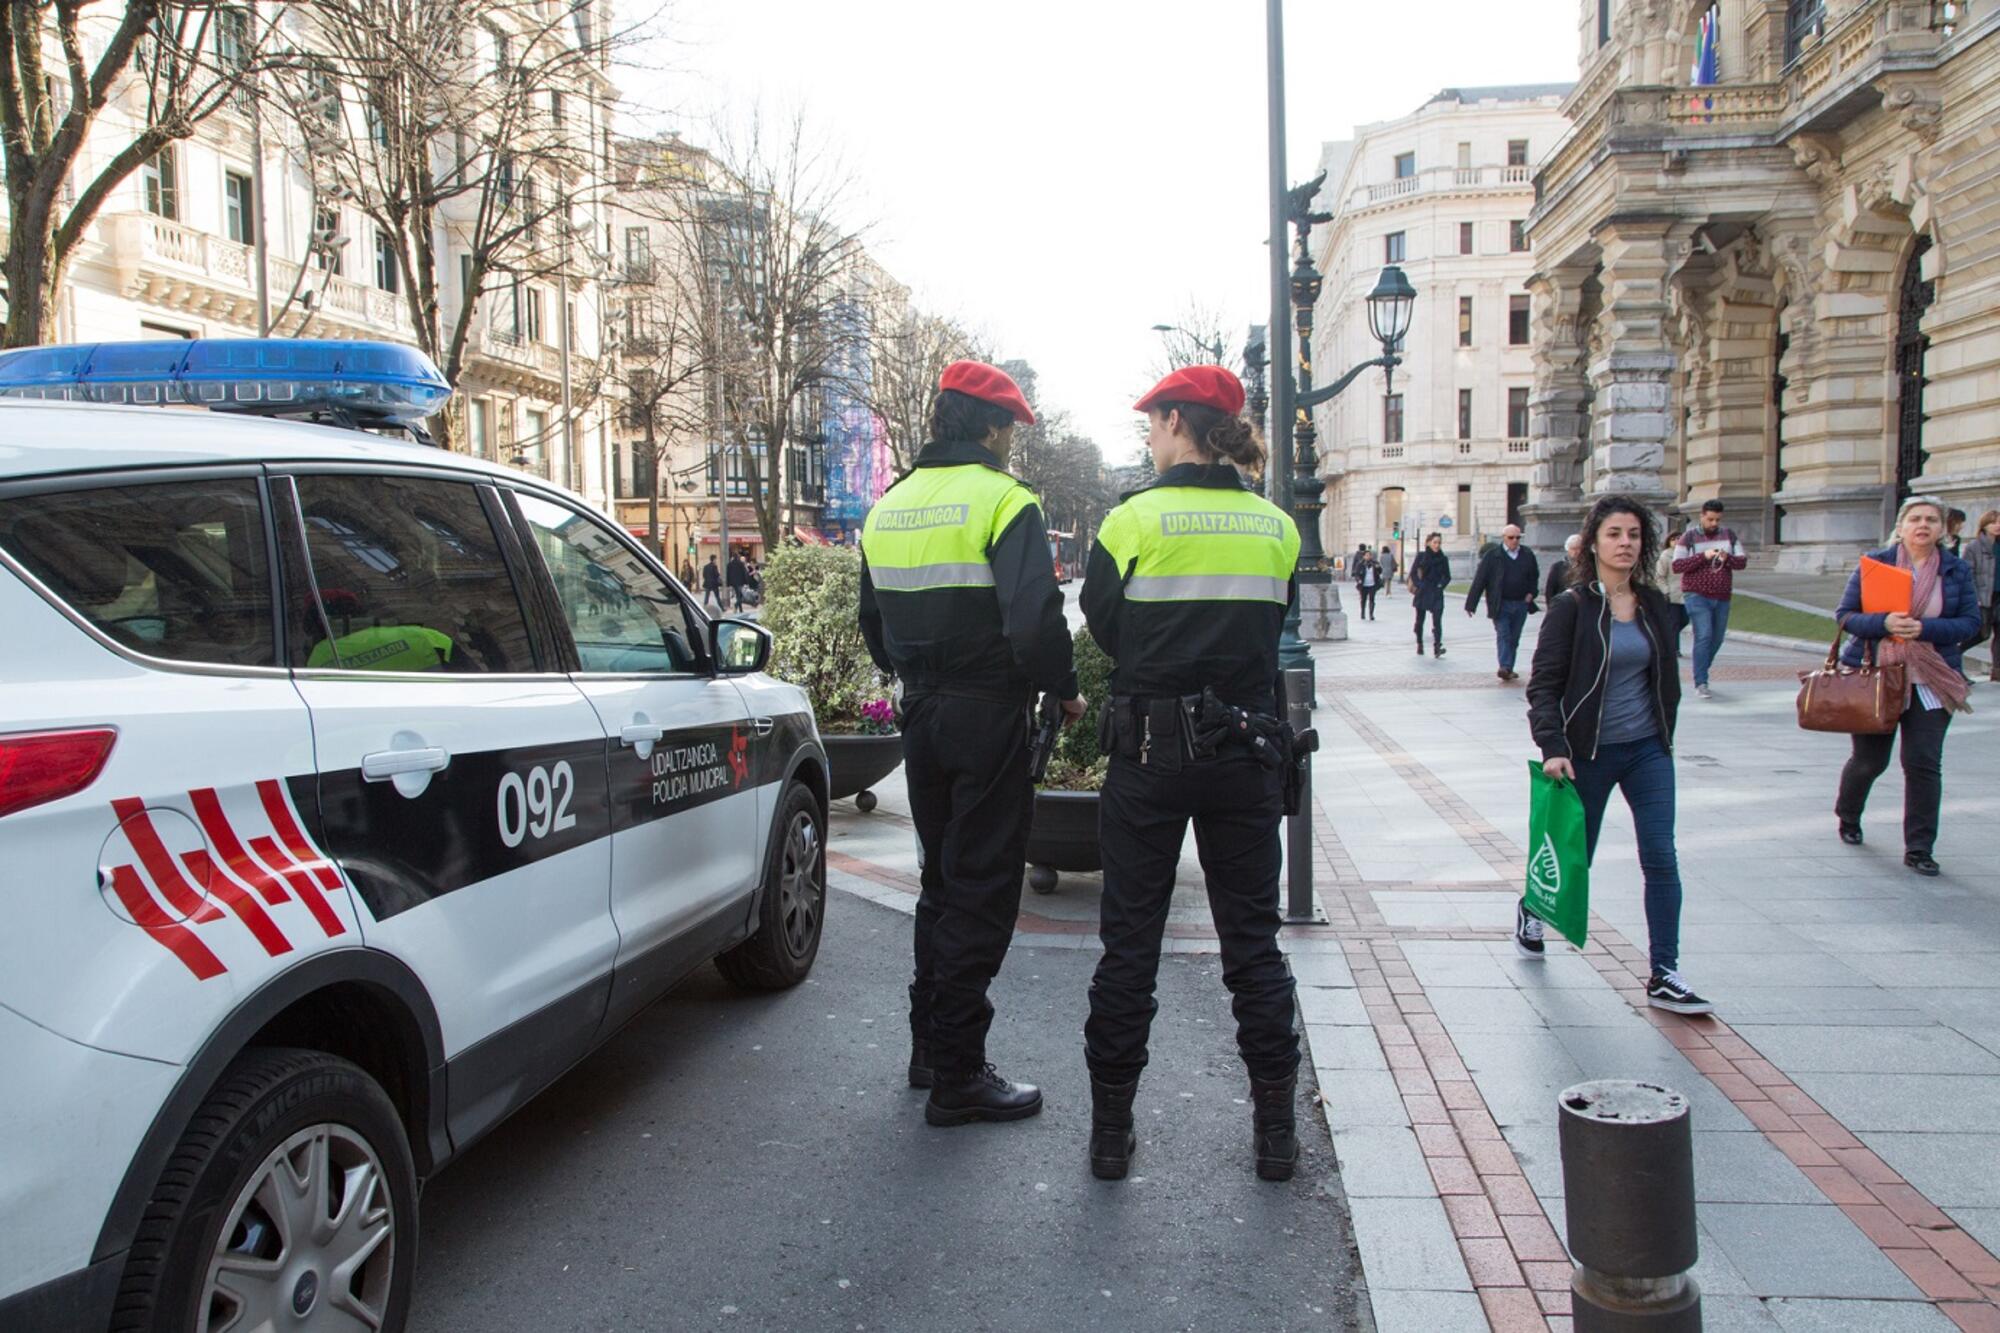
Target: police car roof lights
{"x": 351, "y": 383}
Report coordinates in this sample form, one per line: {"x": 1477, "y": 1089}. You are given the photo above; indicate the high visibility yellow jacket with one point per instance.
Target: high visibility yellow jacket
{"x": 958, "y": 589}
{"x": 1188, "y": 585}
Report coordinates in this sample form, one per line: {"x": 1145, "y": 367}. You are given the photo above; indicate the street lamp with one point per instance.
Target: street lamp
{"x": 1214, "y": 349}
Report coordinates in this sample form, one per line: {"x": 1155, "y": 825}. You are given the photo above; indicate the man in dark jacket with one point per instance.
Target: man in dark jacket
{"x": 711, "y": 585}
{"x": 739, "y": 576}
{"x": 1508, "y": 579}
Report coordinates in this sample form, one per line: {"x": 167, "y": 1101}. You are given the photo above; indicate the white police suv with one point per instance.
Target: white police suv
{"x": 350, "y": 791}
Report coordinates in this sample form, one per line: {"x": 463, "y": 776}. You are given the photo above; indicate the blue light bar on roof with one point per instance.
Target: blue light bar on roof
{"x": 374, "y": 383}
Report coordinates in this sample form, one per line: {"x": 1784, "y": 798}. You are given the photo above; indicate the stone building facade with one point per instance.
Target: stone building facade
{"x": 1781, "y": 290}
{"x": 1444, "y": 192}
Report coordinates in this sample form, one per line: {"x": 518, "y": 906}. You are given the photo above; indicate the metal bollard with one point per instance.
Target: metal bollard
{"x": 1628, "y": 1188}
{"x": 1299, "y": 703}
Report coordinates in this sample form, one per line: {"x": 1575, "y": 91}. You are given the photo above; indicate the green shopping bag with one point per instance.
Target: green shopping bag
{"x": 1558, "y": 855}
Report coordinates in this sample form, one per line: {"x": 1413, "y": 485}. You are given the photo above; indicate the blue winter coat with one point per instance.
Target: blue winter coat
{"x": 1947, "y": 633}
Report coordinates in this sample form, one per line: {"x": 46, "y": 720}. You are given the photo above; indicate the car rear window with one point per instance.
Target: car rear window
{"x": 410, "y": 578}
{"x": 173, "y": 569}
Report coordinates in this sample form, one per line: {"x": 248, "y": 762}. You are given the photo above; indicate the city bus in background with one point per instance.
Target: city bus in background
{"x": 1067, "y": 554}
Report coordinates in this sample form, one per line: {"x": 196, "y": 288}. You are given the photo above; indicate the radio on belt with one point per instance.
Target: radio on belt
{"x": 344, "y": 382}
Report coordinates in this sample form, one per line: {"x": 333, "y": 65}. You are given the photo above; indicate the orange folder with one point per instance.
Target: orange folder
{"x": 1885, "y": 587}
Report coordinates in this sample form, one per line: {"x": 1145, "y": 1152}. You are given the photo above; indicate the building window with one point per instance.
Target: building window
{"x": 1517, "y": 414}
{"x": 387, "y": 270}
{"x": 503, "y": 54}
{"x": 238, "y": 214}
{"x": 1465, "y": 321}
{"x": 532, "y": 308}
{"x": 1465, "y": 241}
{"x": 535, "y": 429}
{"x": 1517, "y": 235}
{"x": 1464, "y": 507}
{"x": 638, "y": 254}
{"x": 1393, "y": 248}
{"x": 1803, "y": 19}
{"x": 1603, "y": 21}
{"x": 479, "y": 428}
{"x": 1465, "y": 157}
{"x": 1517, "y": 152}
{"x": 555, "y": 106}
{"x": 1406, "y": 165}
{"x": 1392, "y": 418}
{"x": 159, "y": 185}
{"x": 1517, "y": 321}
{"x": 1465, "y": 414}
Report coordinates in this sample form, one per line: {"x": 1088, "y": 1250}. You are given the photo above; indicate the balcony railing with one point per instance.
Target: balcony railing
{"x": 153, "y": 245}
{"x": 1433, "y": 179}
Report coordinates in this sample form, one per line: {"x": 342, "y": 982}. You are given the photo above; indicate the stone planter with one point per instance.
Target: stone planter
{"x": 1063, "y": 836}
{"x": 857, "y": 763}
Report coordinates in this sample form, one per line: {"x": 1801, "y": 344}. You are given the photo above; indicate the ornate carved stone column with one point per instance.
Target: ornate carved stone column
{"x": 1631, "y": 381}
{"x": 1726, "y": 333}
{"x": 1565, "y": 305}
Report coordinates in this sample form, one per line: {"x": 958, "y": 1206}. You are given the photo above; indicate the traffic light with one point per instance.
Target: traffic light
{"x": 1397, "y": 532}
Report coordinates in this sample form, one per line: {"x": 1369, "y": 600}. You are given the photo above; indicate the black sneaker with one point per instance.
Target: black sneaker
{"x": 1667, "y": 991}
{"x": 1920, "y": 862}
{"x": 1851, "y": 834}
{"x": 1527, "y": 932}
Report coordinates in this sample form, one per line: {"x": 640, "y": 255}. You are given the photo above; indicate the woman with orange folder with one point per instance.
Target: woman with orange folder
{"x": 1914, "y": 601}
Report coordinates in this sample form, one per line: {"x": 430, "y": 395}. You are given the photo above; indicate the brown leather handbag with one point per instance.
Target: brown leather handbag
{"x": 1866, "y": 700}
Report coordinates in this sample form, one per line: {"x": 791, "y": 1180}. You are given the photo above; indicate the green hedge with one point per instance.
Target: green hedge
{"x": 812, "y": 604}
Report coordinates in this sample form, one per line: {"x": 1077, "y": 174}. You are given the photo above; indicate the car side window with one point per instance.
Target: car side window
{"x": 171, "y": 569}
{"x": 623, "y": 615}
{"x": 410, "y": 578}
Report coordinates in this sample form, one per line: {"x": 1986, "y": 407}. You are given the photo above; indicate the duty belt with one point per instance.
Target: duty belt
{"x": 1163, "y": 732}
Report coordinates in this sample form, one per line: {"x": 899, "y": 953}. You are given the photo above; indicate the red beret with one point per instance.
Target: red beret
{"x": 1211, "y": 386}
{"x": 989, "y": 384}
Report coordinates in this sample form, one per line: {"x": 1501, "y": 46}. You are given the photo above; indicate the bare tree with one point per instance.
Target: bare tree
{"x": 177, "y": 64}
{"x": 909, "y": 355}
{"x": 1193, "y": 339}
{"x": 473, "y": 135}
{"x": 787, "y": 297}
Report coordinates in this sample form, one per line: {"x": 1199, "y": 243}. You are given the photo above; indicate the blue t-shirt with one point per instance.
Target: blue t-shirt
{"x": 1628, "y": 707}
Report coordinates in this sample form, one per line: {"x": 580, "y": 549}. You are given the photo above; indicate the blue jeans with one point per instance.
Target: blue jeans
{"x": 1644, "y": 771}
{"x": 1508, "y": 619}
{"x": 1710, "y": 618}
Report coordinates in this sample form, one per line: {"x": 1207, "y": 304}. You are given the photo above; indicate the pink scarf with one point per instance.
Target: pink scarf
{"x": 1921, "y": 663}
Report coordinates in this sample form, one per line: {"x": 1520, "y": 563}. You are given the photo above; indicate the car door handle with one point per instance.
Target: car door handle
{"x": 639, "y": 732}
{"x": 761, "y": 725}
{"x": 386, "y": 764}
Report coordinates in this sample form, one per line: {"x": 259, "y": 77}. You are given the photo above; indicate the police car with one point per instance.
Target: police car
{"x": 350, "y": 792}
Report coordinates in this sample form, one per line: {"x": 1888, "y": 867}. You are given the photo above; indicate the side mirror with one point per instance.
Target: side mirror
{"x": 739, "y": 647}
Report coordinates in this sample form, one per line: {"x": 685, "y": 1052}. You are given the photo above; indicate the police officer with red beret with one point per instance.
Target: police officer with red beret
{"x": 959, "y": 602}
{"x": 1187, "y": 589}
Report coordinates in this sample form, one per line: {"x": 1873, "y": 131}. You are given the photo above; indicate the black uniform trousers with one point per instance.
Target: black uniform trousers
{"x": 966, "y": 762}
{"x": 1235, "y": 805}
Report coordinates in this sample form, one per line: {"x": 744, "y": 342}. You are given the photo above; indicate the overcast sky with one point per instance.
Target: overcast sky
{"x": 1061, "y": 175}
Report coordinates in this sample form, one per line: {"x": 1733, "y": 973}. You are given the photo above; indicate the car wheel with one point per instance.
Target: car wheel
{"x": 291, "y": 1201}
{"x": 793, "y": 905}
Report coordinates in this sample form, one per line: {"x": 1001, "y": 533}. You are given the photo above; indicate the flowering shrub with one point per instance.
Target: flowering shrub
{"x": 812, "y": 603}
{"x": 1079, "y": 763}
{"x": 878, "y": 718}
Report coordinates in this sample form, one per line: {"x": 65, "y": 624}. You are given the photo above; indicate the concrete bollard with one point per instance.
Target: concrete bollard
{"x": 1628, "y": 1192}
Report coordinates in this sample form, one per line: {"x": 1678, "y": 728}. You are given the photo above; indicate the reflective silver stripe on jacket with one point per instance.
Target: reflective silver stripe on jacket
{"x": 969, "y": 574}
{"x": 1206, "y": 587}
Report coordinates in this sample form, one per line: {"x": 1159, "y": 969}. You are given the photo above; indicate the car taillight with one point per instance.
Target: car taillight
{"x": 41, "y": 766}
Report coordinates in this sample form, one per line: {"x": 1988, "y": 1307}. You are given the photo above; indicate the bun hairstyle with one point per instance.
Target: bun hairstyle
{"x": 1220, "y": 435}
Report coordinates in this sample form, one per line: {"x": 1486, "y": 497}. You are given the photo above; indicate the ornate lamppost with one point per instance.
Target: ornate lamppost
{"x": 1255, "y": 359}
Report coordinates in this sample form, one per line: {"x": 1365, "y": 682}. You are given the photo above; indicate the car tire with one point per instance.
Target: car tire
{"x": 791, "y": 910}
{"x": 313, "y": 1137}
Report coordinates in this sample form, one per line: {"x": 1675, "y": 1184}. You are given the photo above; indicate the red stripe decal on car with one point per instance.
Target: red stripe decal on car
{"x": 138, "y": 828}
{"x": 248, "y": 909}
{"x": 280, "y": 813}
{"x": 223, "y": 838}
{"x": 301, "y": 882}
{"x": 146, "y": 914}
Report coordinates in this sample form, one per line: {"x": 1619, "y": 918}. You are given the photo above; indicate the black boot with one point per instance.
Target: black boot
{"x": 960, "y": 1099}
{"x": 1420, "y": 646}
{"x": 1112, "y": 1141}
{"x": 1276, "y": 1126}
{"x": 920, "y": 1063}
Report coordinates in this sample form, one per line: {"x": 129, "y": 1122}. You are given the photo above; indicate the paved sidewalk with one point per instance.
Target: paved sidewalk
{"x": 1846, "y": 1099}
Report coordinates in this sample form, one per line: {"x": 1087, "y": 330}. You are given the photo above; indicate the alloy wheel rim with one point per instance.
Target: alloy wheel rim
{"x": 800, "y": 890}
{"x": 309, "y": 1240}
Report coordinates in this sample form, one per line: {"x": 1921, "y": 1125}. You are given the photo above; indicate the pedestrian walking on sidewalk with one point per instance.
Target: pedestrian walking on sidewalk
{"x": 711, "y": 586}
{"x": 1559, "y": 572}
{"x": 1429, "y": 573}
{"x": 1985, "y": 547}
{"x": 1392, "y": 560}
{"x": 1508, "y": 579}
{"x": 1602, "y": 702}
{"x": 1191, "y": 613}
{"x": 1706, "y": 557}
{"x": 1944, "y": 613}
{"x": 1368, "y": 581}
{"x": 959, "y": 600}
